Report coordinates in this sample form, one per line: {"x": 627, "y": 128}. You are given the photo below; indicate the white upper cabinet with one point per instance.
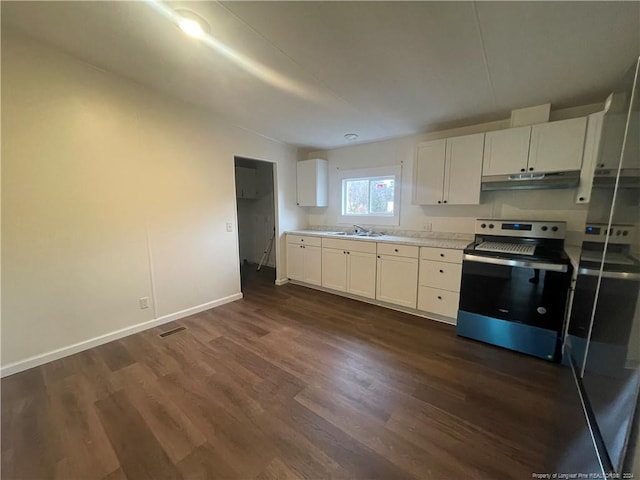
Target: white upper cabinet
{"x": 312, "y": 183}
{"x": 557, "y": 146}
{"x": 449, "y": 171}
{"x": 542, "y": 148}
{"x": 429, "y": 173}
{"x": 463, "y": 170}
{"x": 246, "y": 183}
{"x": 506, "y": 151}
{"x": 590, "y": 157}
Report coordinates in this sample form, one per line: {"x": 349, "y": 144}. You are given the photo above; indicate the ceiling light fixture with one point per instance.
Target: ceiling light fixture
{"x": 191, "y": 27}
{"x": 191, "y": 23}
{"x": 351, "y": 136}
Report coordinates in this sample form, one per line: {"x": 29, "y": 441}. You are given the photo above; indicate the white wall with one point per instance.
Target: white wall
{"x": 531, "y": 204}
{"x": 112, "y": 192}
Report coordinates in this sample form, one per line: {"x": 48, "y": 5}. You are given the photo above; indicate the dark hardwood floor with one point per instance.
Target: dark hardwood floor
{"x": 286, "y": 383}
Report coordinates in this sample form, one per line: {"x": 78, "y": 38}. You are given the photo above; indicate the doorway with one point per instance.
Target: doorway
{"x": 256, "y": 208}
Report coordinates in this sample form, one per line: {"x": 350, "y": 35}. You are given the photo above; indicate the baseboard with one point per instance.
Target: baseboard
{"x": 282, "y": 281}
{"x": 38, "y": 360}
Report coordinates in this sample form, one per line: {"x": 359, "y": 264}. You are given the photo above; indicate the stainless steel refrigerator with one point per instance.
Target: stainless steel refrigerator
{"x": 597, "y": 409}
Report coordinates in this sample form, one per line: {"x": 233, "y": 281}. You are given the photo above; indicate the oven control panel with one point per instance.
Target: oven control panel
{"x": 598, "y": 232}
{"x": 521, "y": 228}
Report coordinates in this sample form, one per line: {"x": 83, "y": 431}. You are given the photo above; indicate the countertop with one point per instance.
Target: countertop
{"x": 440, "y": 242}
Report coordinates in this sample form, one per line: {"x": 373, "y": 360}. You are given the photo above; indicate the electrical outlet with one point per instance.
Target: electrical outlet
{"x": 229, "y": 227}
{"x": 426, "y": 227}
{"x": 144, "y": 302}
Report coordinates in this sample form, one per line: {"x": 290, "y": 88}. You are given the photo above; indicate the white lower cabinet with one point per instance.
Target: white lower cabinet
{"x": 312, "y": 264}
{"x": 439, "y": 281}
{"x": 334, "y": 269}
{"x": 397, "y": 276}
{"x": 422, "y": 278}
{"x": 361, "y": 278}
{"x": 440, "y": 302}
{"x": 304, "y": 259}
{"x": 349, "y": 266}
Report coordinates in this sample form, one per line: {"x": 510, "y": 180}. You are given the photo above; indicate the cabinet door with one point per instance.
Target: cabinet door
{"x": 362, "y": 274}
{"x": 312, "y": 265}
{"x": 334, "y": 269}
{"x": 442, "y": 275}
{"x": 295, "y": 261}
{"x": 397, "y": 280}
{"x": 312, "y": 183}
{"x": 589, "y": 157}
{"x": 506, "y": 151}
{"x": 441, "y": 302}
{"x": 429, "y": 173}
{"x": 557, "y": 146}
{"x": 463, "y": 170}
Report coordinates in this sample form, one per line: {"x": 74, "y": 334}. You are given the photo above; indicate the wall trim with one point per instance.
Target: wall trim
{"x": 282, "y": 281}
{"x": 47, "y": 357}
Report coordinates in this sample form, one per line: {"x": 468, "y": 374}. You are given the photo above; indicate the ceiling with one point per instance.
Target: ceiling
{"x": 318, "y": 70}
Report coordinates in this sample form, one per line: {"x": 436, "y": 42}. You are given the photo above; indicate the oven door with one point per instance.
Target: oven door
{"x": 517, "y": 304}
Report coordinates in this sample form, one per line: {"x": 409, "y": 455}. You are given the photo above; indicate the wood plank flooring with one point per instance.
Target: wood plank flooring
{"x": 287, "y": 383}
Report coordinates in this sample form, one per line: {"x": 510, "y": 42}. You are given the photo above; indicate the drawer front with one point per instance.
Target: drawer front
{"x": 397, "y": 250}
{"x": 442, "y": 275}
{"x": 441, "y": 254}
{"x": 440, "y": 302}
{"x": 304, "y": 240}
{"x": 349, "y": 245}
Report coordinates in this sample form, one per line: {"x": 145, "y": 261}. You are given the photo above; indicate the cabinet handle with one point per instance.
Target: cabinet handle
{"x": 302, "y": 239}
{"x": 581, "y": 199}
{"x": 395, "y": 249}
{"x": 343, "y": 252}
{"x": 522, "y": 169}
{"x": 531, "y": 169}
{"x": 439, "y": 297}
{"x": 439, "y": 201}
{"x": 442, "y": 254}
{"x": 348, "y": 253}
{"x": 441, "y": 271}
{"x": 378, "y": 256}
{"x": 444, "y": 201}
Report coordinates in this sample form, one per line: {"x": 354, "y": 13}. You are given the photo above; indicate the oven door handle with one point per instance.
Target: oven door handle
{"x": 553, "y": 267}
{"x": 592, "y": 272}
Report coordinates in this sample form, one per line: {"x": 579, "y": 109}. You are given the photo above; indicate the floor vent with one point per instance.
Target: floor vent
{"x": 171, "y": 332}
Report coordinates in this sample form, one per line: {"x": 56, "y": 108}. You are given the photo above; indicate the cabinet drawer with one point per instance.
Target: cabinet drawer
{"x": 397, "y": 250}
{"x": 349, "y": 245}
{"x": 441, "y": 254}
{"x": 442, "y": 275}
{"x": 440, "y": 302}
{"x": 304, "y": 240}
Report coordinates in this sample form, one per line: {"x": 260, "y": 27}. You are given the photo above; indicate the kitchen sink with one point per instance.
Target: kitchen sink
{"x": 370, "y": 234}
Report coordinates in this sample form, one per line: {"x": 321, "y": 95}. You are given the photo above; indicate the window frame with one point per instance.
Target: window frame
{"x": 394, "y": 171}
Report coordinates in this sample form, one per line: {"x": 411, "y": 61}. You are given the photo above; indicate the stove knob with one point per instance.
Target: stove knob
{"x": 491, "y": 225}
{"x": 625, "y": 233}
{"x": 484, "y": 225}
{"x": 544, "y": 228}
{"x": 555, "y": 229}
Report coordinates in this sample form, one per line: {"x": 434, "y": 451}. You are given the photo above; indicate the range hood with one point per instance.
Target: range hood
{"x": 531, "y": 181}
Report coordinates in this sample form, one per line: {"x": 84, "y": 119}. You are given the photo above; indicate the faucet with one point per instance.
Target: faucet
{"x": 361, "y": 230}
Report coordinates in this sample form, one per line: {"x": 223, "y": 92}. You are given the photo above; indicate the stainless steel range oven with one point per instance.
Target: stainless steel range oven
{"x": 515, "y": 284}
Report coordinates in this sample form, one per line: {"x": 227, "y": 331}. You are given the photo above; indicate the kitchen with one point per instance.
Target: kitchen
{"x": 144, "y": 198}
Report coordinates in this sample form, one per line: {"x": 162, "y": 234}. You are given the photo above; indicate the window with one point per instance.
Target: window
{"x": 368, "y": 196}
{"x": 371, "y": 196}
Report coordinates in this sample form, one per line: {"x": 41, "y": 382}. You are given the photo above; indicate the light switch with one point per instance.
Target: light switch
{"x": 229, "y": 227}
